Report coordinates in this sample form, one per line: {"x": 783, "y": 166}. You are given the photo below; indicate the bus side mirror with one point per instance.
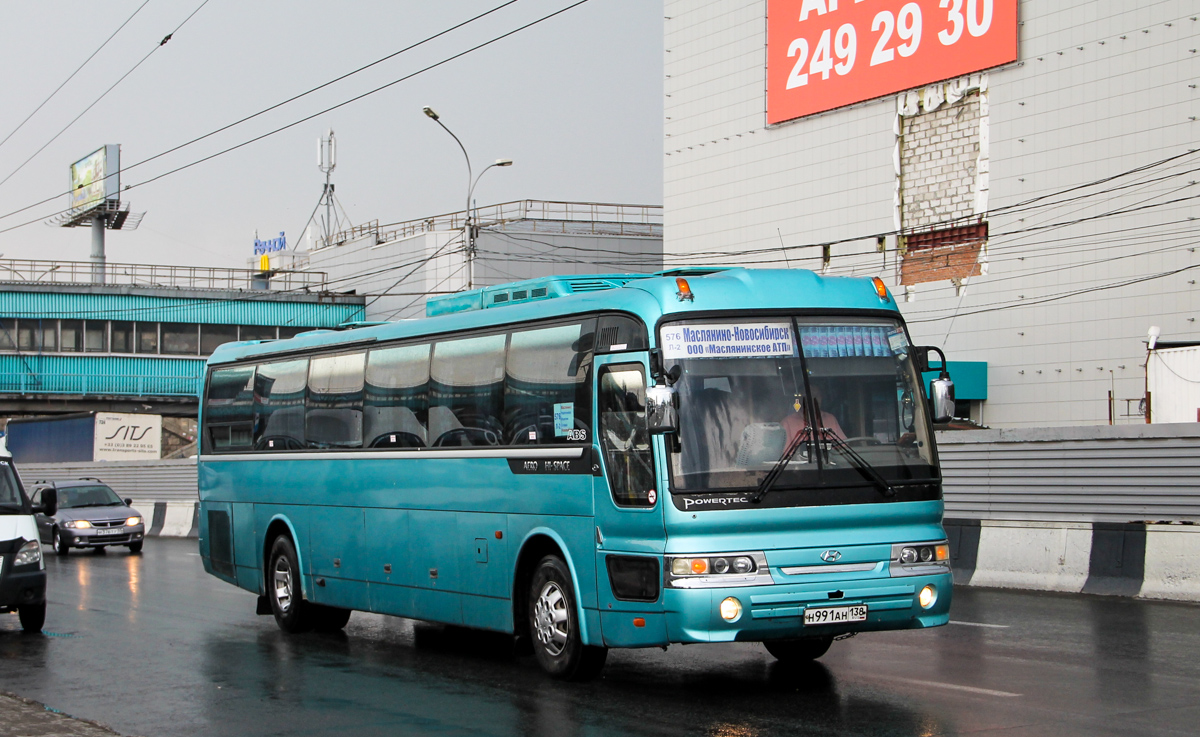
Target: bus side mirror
{"x": 942, "y": 398}
{"x": 49, "y": 503}
{"x": 661, "y": 413}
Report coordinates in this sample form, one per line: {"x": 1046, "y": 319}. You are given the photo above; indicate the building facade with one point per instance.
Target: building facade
{"x": 139, "y": 343}
{"x": 1031, "y": 203}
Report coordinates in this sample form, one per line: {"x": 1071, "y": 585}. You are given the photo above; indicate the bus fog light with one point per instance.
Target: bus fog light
{"x": 731, "y": 609}
{"x": 927, "y": 597}
{"x": 908, "y": 555}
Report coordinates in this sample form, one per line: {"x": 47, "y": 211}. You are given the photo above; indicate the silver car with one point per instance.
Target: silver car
{"x": 89, "y": 515}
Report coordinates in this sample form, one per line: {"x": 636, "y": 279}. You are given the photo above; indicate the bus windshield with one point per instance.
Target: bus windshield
{"x": 846, "y": 389}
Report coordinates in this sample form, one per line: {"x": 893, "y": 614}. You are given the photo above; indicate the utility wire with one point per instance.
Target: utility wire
{"x": 77, "y": 70}
{"x": 103, "y": 95}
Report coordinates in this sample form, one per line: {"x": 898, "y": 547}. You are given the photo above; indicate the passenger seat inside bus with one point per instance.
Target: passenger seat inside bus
{"x": 395, "y": 427}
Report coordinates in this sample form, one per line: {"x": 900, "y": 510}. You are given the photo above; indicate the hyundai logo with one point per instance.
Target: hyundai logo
{"x": 831, "y": 556}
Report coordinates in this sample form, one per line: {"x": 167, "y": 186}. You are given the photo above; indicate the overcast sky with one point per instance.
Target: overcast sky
{"x": 575, "y": 101}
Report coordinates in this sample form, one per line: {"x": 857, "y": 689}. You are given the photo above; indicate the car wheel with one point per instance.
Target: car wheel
{"x": 554, "y": 625}
{"x": 136, "y": 547}
{"x": 60, "y": 545}
{"x": 32, "y": 616}
{"x": 283, "y": 588}
{"x": 799, "y": 651}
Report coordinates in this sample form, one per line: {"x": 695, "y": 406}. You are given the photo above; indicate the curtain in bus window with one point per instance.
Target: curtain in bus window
{"x": 279, "y": 405}
{"x": 229, "y": 410}
{"x": 396, "y": 409}
{"x": 466, "y": 392}
{"x": 545, "y": 387}
{"x": 625, "y": 435}
{"x": 334, "y": 417}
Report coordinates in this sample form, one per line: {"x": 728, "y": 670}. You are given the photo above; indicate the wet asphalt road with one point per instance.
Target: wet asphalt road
{"x": 151, "y": 645}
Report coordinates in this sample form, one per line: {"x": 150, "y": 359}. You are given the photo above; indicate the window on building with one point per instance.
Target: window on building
{"x": 279, "y": 405}
{"x": 8, "y": 334}
{"x": 212, "y": 336}
{"x": 71, "y": 333}
{"x": 466, "y": 397}
{"x": 257, "y": 332}
{"x": 229, "y": 410}
{"x": 37, "y": 335}
{"x": 545, "y": 387}
{"x": 396, "y": 410}
{"x": 335, "y": 402}
{"x": 147, "y": 337}
{"x": 180, "y": 339}
{"x": 95, "y": 336}
{"x": 122, "y": 337}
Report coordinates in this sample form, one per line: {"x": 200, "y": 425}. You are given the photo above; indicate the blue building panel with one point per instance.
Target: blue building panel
{"x": 104, "y": 375}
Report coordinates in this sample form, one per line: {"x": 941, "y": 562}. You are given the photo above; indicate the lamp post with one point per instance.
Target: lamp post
{"x": 468, "y": 230}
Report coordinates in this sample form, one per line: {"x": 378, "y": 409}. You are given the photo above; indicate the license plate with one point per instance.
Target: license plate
{"x": 835, "y": 614}
{"x": 111, "y": 531}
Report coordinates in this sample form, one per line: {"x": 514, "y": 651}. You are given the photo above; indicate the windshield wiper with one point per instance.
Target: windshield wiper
{"x": 772, "y": 476}
{"x": 860, "y": 464}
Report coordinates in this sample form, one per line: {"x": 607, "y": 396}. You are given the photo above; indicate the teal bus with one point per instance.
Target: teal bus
{"x": 590, "y": 462}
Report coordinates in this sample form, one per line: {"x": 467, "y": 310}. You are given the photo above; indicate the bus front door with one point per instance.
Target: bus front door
{"x": 630, "y": 537}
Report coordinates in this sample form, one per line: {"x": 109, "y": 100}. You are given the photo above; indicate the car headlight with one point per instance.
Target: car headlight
{"x": 79, "y": 524}
{"x": 30, "y": 553}
{"x": 133, "y": 521}
{"x": 713, "y": 571}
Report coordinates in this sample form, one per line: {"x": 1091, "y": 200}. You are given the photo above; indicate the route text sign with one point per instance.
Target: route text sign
{"x": 824, "y": 54}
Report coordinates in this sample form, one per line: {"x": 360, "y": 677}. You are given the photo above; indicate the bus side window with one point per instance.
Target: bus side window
{"x": 625, "y": 435}
{"x": 547, "y": 398}
{"x": 279, "y": 405}
{"x": 466, "y": 391}
{"x": 396, "y": 409}
{"x": 334, "y": 414}
{"x": 229, "y": 410}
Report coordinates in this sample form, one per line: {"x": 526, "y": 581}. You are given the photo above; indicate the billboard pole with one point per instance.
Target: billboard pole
{"x": 98, "y": 249}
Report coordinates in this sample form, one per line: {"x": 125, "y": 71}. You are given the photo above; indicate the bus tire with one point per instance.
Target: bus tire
{"x": 329, "y": 618}
{"x": 292, "y": 613}
{"x": 803, "y": 650}
{"x": 554, "y": 625}
{"x": 32, "y": 616}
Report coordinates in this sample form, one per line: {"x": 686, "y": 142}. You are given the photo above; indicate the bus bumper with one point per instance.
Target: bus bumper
{"x": 777, "y": 611}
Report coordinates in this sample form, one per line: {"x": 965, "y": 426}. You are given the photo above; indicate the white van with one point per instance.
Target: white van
{"x": 22, "y": 570}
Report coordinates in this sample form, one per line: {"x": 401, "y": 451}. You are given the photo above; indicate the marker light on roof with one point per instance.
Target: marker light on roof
{"x": 880, "y": 288}
{"x": 685, "y": 292}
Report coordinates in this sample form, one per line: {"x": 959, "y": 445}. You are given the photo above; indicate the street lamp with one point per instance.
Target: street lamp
{"x": 468, "y": 231}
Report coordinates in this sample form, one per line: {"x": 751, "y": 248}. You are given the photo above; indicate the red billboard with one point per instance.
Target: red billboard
{"x": 824, "y": 54}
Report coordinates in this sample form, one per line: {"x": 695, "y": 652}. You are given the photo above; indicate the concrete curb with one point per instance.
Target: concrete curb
{"x": 1149, "y": 561}
{"x": 171, "y": 519}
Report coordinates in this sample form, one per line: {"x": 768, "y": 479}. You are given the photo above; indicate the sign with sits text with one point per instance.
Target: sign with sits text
{"x": 122, "y": 437}
{"x": 825, "y": 54}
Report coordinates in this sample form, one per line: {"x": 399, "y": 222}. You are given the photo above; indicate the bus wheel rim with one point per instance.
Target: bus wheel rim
{"x": 551, "y": 620}
{"x": 283, "y": 584}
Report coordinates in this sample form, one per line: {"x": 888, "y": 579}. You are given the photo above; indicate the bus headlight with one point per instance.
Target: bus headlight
{"x": 731, "y": 609}
{"x": 927, "y": 597}
{"x": 919, "y": 559}
{"x": 715, "y": 571}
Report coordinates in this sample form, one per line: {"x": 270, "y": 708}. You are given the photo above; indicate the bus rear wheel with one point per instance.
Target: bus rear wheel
{"x": 803, "y": 650}
{"x": 283, "y": 588}
{"x": 554, "y": 625}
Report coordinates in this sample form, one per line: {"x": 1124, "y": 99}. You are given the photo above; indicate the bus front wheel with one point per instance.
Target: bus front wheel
{"x": 799, "y": 651}
{"x": 283, "y": 588}
{"x": 554, "y": 625}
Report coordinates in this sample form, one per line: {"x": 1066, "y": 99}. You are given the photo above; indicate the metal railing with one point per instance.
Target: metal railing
{"x": 91, "y": 384}
{"x": 24, "y": 271}
{"x": 598, "y": 218}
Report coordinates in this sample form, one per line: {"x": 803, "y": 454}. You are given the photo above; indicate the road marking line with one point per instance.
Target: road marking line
{"x": 980, "y": 624}
{"x": 957, "y": 687}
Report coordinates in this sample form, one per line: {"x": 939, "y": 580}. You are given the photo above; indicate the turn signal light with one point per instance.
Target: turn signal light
{"x": 685, "y": 290}
{"x": 941, "y": 552}
{"x": 699, "y": 565}
{"x": 880, "y": 288}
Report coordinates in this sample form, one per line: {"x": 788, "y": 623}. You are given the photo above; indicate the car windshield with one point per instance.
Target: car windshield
{"x": 845, "y": 389}
{"x": 73, "y": 497}
{"x": 11, "y": 499}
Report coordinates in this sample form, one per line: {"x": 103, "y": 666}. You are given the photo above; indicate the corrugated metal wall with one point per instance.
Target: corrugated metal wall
{"x": 1074, "y": 474}
{"x": 143, "y": 481}
{"x": 267, "y": 309}
{"x": 33, "y": 373}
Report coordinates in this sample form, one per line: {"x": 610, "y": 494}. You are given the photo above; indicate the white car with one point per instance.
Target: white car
{"x": 22, "y": 570}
